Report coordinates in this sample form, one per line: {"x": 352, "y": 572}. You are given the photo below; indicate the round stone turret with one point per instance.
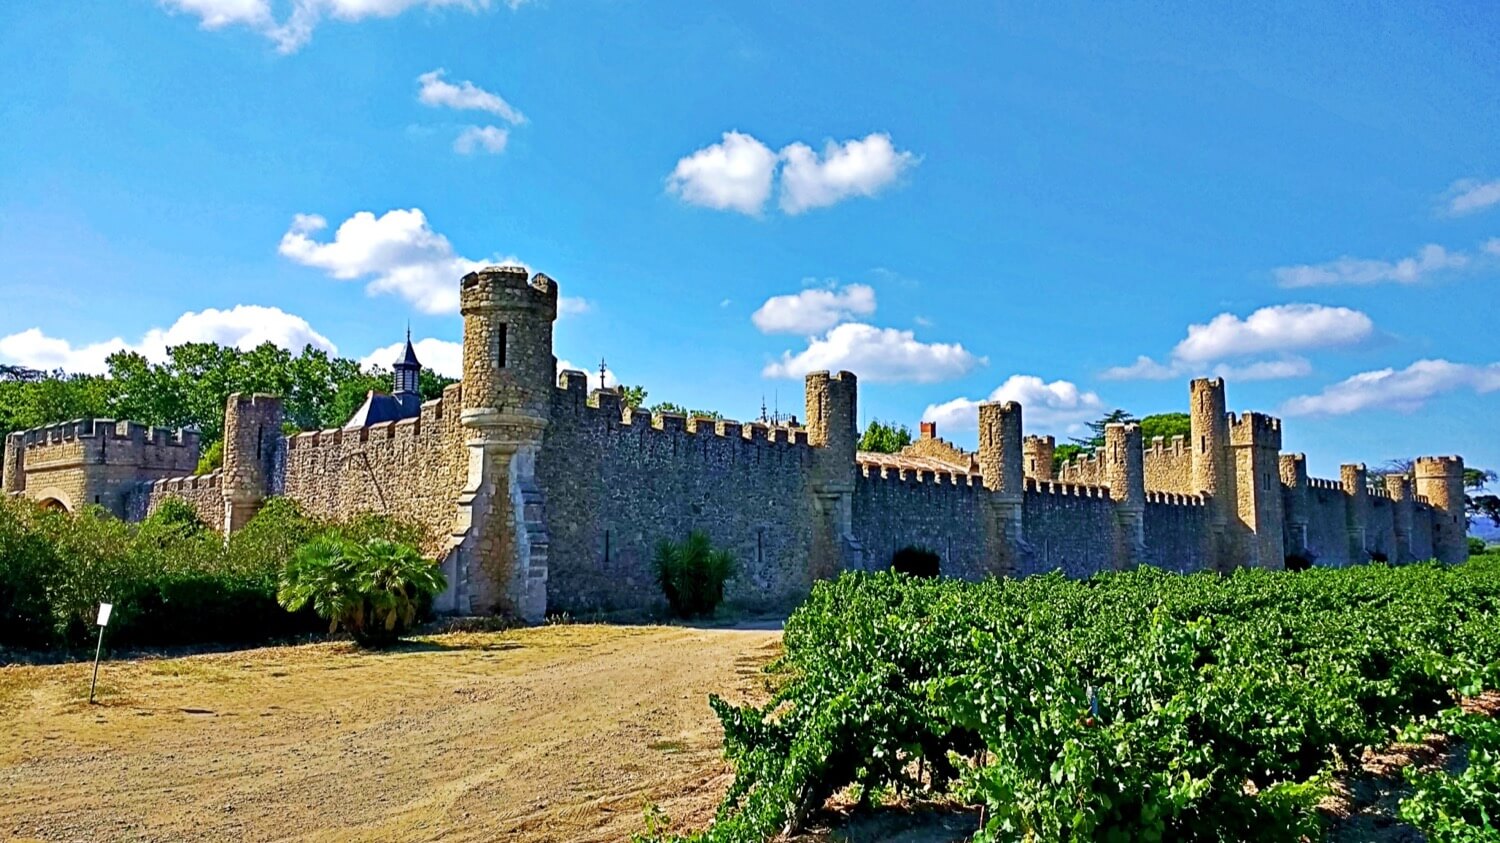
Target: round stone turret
{"x": 1210, "y": 433}
{"x": 509, "y": 370}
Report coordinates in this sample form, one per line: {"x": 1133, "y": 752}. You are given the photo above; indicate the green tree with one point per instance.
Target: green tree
{"x": 1095, "y": 440}
{"x": 1063, "y": 453}
{"x": 633, "y": 396}
{"x": 1165, "y": 425}
{"x": 882, "y": 438}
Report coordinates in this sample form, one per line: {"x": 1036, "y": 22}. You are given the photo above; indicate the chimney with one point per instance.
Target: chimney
{"x": 929, "y": 430}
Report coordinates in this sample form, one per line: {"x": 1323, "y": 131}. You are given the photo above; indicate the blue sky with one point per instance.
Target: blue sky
{"x": 1013, "y": 200}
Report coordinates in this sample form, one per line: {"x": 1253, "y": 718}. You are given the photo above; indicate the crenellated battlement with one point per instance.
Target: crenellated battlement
{"x": 1325, "y": 484}
{"x": 1064, "y": 489}
{"x": 1257, "y": 429}
{"x": 1174, "y": 499}
{"x": 191, "y": 483}
{"x": 124, "y": 431}
{"x": 1162, "y": 447}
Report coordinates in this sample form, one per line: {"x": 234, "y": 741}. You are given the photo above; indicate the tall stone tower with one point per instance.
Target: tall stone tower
{"x": 1355, "y": 479}
{"x": 12, "y": 469}
{"x": 1295, "y": 503}
{"x": 253, "y": 455}
{"x": 1001, "y": 468}
{"x": 1398, "y": 486}
{"x": 1441, "y": 481}
{"x": 1212, "y": 477}
{"x": 1256, "y": 533}
{"x": 498, "y": 561}
{"x": 832, "y": 413}
{"x": 1125, "y": 472}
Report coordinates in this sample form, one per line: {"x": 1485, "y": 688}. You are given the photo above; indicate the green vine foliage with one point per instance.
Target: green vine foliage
{"x": 1133, "y": 706}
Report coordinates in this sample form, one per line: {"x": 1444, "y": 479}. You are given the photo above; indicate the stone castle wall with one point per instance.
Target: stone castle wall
{"x": 203, "y": 492}
{"x": 942, "y": 512}
{"x": 616, "y": 484}
{"x": 1169, "y": 466}
{"x": 410, "y": 469}
{"x": 538, "y": 497}
{"x": 1067, "y": 527}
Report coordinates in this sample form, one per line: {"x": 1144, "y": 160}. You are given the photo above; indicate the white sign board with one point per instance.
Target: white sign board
{"x": 104, "y": 610}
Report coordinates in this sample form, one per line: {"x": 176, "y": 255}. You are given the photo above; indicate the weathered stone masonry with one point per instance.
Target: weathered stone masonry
{"x": 540, "y": 497}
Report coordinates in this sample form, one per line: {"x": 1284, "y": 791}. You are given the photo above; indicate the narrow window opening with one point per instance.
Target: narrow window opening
{"x": 760, "y": 536}
{"x": 500, "y": 342}
{"x": 606, "y": 547}
{"x": 260, "y": 432}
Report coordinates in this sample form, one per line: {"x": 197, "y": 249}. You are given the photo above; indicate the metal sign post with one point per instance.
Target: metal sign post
{"x": 104, "y": 610}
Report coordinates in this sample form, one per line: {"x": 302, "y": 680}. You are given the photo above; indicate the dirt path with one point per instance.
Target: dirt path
{"x": 557, "y": 733}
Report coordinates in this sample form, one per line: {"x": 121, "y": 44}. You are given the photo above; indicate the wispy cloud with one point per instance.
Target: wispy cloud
{"x": 1467, "y": 196}
{"x": 877, "y": 355}
{"x": 1403, "y": 390}
{"x": 294, "y": 31}
{"x": 811, "y": 311}
{"x": 1430, "y": 260}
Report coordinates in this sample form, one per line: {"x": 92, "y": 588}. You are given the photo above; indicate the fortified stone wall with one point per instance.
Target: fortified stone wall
{"x": 940, "y": 511}
{"x": 99, "y": 461}
{"x": 1176, "y": 531}
{"x": 1380, "y": 528}
{"x": 1067, "y": 527}
{"x": 1084, "y": 470}
{"x": 203, "y": 492}
{"x": 411, "y": 469}
{"x": 1327, "y": 523}
{"x": 617, "y": 484}
{"x": 1169, "y": 466}
{"x": 1421, "y": 530}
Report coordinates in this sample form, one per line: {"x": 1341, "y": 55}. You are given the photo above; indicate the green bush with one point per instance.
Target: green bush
{"x": 916, "y": 561}
{"x": 372, "y": 589}
{"x": 1476, "y": 546}
{"x": 692, "y": 574}
{"x": 172, "y": 579}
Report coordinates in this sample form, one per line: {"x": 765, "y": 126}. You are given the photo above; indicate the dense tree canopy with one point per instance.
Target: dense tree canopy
{"x": 190, "y": 387}
{"x": 882, "y": 438}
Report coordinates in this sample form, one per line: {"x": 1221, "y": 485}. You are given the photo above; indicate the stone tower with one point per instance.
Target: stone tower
{"x": 1398, "y": 486}
{"x": 1441, "y": 481}
{"x": 499, "y": 557}
{"x": 1001, "y": 468}
{"x": 832, "y": 412}
{"x": 1294, "y": 502}
{"x": 1125, "y": 473}
{"x": 1355, "y": 479}
{"x": 1037, "y": 452}
{"x": 253, "y": 454}
{"x": 1256, "y": 533}
{"x": 407, "y": 377}
{"x": 12, "y": 470}
{"x": 1209, "y": 426}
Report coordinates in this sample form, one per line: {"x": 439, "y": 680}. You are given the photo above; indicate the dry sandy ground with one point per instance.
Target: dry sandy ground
{"x": 556, "y": 733}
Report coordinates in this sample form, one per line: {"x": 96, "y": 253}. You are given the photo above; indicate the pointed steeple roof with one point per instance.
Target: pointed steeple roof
{"x": 409, "y": 355}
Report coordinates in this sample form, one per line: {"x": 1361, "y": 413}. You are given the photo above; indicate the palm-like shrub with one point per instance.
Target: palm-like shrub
{"x": 372, "y": 589}
{"x": 692, "y": 574}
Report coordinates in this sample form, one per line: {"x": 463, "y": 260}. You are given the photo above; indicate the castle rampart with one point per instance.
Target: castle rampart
{"x": 539, "y": 496}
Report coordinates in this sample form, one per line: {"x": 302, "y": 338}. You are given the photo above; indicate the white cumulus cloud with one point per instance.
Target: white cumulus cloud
{"x": 1428, "y": 261}
{"x": 243, "y": 326}
{"x": 474, "y": 139}
{"x": 1467, "y": 196}
{"x": 1285, "y": 327}
{"x": 853, "y": 168}
{"x": 734, "y": 175}
{"x": 1403, "y": 390}
{"x": 437, "y": 92}
{"x": 1278, "y": 331}
{"x": 811, "y": 311}
{"x": 876, "y": 355}
{"x": 397, "y": 251}
{"x": 1059, "y": 405}
{"x": 442, "y": 356}
{"x": 296, "y": 29}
